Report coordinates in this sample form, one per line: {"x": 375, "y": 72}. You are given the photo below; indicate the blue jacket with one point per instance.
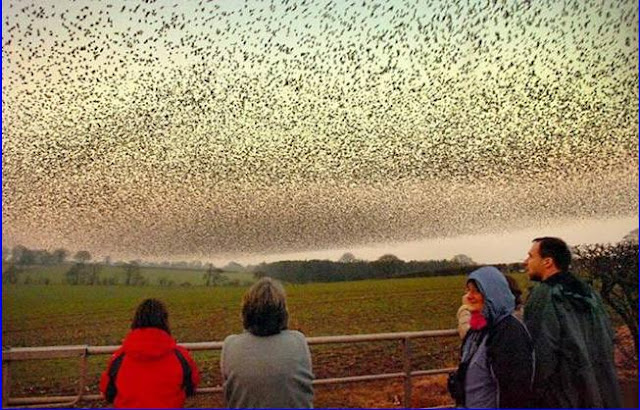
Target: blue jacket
{"x": 498, "y": 360}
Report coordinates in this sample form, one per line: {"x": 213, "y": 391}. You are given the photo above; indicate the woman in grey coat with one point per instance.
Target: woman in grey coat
{"x": 267, "y": 366}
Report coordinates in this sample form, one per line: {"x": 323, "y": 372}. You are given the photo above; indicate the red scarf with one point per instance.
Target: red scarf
{"x": 477, "y": 321}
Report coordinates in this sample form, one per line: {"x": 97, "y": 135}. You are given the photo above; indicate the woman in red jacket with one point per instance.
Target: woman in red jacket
{"x": 149, "y": 370}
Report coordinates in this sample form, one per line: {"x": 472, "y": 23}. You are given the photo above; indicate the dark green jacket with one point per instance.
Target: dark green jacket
{"x": 573, "y": 343}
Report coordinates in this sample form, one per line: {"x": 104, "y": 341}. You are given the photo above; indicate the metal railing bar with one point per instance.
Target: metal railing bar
{"x": 353, "y": 379}
{"x": 202, "y": 346}
{"x": 208, "y": 390}
{"x": 433, "y": 372}
{"x": 95, "y": 350}
{"x": 58, "y": 352}
{"x": 64, "y": 405}
{"x": 51, "y": 399}
{"x": 380, "y": 336}
{"x": 44, "y": 352}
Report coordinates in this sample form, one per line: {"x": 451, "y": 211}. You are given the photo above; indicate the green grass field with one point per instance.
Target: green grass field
{"x": 100, "y": 315}
{"x": 37, "y": 315}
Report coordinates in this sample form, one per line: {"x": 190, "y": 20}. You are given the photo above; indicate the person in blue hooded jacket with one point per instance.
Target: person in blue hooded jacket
{"x": 497, "y": 360}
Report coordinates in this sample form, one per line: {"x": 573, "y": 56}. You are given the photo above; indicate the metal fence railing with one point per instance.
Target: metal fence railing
{"x": 82, "y": 352}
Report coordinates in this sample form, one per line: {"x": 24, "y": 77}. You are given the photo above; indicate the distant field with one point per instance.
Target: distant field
{"x": 100, "y": 315}
{"x": 56, "y": 275}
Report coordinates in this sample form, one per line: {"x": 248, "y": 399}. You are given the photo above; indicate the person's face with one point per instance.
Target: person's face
{"x": 475, "y": 300}
{"x": 534, "y": 264}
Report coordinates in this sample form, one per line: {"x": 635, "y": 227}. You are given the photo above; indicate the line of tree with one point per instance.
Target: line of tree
{"x": 348, "y": 268}
{"x": 81, "y": 273}
{"x": 21, "y": 255}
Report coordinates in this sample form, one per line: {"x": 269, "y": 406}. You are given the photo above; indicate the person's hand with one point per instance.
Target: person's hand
{"x": 465, "y": 302}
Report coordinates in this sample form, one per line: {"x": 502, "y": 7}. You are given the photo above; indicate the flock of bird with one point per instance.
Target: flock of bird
{"x": 198, "y": 128}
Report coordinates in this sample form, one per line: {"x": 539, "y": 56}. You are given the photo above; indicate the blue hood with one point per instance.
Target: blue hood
{"x": 499, "y": 302}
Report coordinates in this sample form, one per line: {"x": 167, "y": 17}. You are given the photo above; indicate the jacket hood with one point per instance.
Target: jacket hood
{"x": 499, "y": 302}
{"x": 148, "y": 343}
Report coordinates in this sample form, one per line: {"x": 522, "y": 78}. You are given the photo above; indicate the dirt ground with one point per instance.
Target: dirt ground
{"x": 627, "y": 365}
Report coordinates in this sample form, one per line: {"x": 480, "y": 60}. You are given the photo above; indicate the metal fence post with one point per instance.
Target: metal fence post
{"x": 406, "y": 344}
{"x": 5, "y": 383}
{"x": 83, "y": 375}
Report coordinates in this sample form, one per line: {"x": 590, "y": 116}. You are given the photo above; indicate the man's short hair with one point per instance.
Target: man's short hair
{"x": 264, "y": 308}
{"x": 556, "y": 249}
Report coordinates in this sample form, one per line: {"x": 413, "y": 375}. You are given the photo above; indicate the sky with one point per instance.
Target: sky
{"x": 491, "y": 248}
{"x": 250, "y": 131}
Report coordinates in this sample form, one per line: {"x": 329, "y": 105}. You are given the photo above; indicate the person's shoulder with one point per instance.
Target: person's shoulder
{"x": 510, "y": 330}
{"x": 232, "y": 339}
{"x": 294, "y": 335}
{"x": 504, "y": 324}
{"x": 117, "y": 353}
{"x": 183, "y": 350}
{"x": 540, "y": 299}
{"x": 511, "y": 325}
{"x": 540, "y": 293}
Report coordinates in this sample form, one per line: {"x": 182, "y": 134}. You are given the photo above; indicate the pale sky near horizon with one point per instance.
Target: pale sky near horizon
{"x": 507, "y": 247}
{"x": 200, "y": 130}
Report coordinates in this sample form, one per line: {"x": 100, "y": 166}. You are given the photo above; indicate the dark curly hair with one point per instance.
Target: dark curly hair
{"x": 151, "y": 313}
{"x": 515, "y": 290}
{"x": 264, "y": 308}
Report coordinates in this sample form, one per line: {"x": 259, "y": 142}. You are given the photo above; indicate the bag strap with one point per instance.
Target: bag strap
{"x": 112, "y": 390}
{"x": 187, "y": 382}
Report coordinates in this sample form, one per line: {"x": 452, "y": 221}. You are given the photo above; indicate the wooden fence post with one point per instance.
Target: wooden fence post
{"x": 406, "y": 344}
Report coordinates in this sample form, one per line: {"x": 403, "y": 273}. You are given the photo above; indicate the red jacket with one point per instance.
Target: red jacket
{"x": 150, "y": 375}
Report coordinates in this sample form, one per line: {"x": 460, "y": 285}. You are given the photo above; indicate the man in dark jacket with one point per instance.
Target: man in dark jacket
{"x": 571, "y": 332}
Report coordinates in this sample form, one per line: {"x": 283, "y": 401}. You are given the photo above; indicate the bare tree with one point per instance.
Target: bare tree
{"x": 348, "y": 257}
{"x": 613, "y": 270}
{"x": 94, "y": 274}
{"x": 133, "y": 276}
{"x": 11, "y": 274}
{"x": 60, "y": 255}
{"x": 82, "y": 256}
{"x": 213, "y": 276}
